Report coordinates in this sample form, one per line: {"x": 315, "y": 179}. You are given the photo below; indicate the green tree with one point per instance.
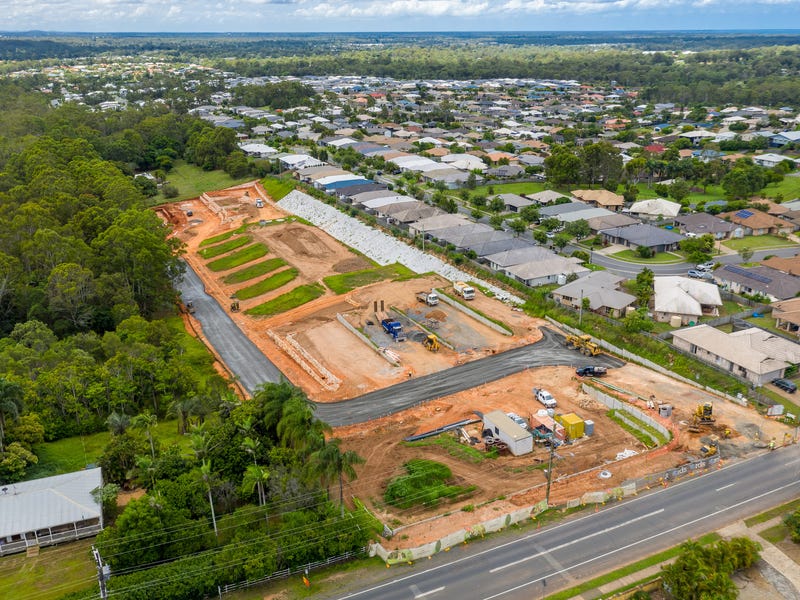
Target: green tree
{"x": 208, "y": 478}
{"x": 330, "y": 462}
{"x": 746, "y": 254}
{"x": 578, "y": 229}
{"x": 518, "y": 225}
{"x": 562, "y": 166}
{"x": 145, "y": 422}
{"x": 14, "y": 460}
{"x": 496, "y": 221}
{"x": 679, "y": 190}
{"x": 10, "y": 405}
{"x": 529, "y": 213}
{"x": 638, "y": 320}
{"x": 70, "y": 291}
{"x": 560, "y": 240}
{"x": 256, "y": 478}
{"x": 644, "y": 287}
{"x": 698, "y": 249}
{"x": 600, "y": 162}
{"x": 540, "y": 236}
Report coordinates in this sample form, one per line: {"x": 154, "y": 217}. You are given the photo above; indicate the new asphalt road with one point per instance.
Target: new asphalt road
{"x": 252, "y": 368}
{"x": 546, "y": 560}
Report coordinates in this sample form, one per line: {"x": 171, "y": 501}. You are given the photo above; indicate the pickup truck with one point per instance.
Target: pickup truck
{"x": 545, "y": 398}
{"x": 590, "y": 371}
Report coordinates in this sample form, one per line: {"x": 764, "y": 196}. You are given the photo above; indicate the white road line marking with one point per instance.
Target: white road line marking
{"x": 428, "y": 593}
{"x": 791, "y": 462}
{"x": 725, "y": 487}
{"x": 642, "y": 541}
{"x": 576, "y": 541}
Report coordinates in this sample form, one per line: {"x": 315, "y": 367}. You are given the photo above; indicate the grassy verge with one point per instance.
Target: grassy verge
{"x": 58, "y": 570}
{"x": 775, "y": 534}
{"x": 239, "y": 257}
{"x": 346, "y": 282}
{"x": 255, "y": 270}
{"x": 639, "y": 565}
{"x": 662, "y": 258}
{"x": 477, "y": 312}
{"x": 267, "y": 285}
{"x": 192, "y": 181}
{"x": 277, "y": 187}
{"x": 232, "y": 244}
{"x": 649, "y": 436}
{"x": 778, "y": 511}
{"x": 453, "y": 447}
{"x": 425, "y": 483}
{"x": 297, "y": 297}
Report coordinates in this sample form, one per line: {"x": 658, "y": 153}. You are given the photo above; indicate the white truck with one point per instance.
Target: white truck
{"x": 465, "y": 291}
{"x": 430, "y": 298}
{"x": 545, "y": 398}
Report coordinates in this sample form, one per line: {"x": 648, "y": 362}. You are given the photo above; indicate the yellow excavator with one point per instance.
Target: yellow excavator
{"x": 432, "y": 343}
{"x": 583, "y": 343}
{"x": 702, "y": 417}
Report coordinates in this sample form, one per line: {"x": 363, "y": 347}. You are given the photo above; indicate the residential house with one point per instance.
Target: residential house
{"x": 753, "y": 354}
{"x": 787, "y": 315}
{"x": 771, "y": 160}
{"x": 543, "y": 272}
{"x": 686, "y": 298}
{"x": 643, "y": 234}
{"x": 546, "y": 197}
{"x": 514, "y": 202}
{"x": 601, "y": 199}
{"x": 501, "y": 260}
{"x": 771, "y": 283}
{"x": 655, "y": 209}
{"x": 785, "y": 137}
{"x": 51, "y": 510}
{"x": 431, "y": 225}
{"x": 698, "y": 224}
{"x": 601, "y": 289}
{"x": 755, "y": 222}
{"x": 790, "y": 265}
{"x": 609, "y": 221}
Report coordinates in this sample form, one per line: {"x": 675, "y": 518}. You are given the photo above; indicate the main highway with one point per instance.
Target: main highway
{"x": 542, "y": 561}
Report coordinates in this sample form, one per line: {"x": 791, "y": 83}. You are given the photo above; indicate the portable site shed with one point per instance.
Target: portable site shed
{"x": 573, "y": 425}
{"x": 519, "y": 440}
{"x": 549, "y": 424}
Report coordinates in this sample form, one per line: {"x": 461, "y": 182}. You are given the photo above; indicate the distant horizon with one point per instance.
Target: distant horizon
{"x": 121, "y": 32}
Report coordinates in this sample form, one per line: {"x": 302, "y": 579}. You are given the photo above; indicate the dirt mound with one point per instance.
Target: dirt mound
{"x": 350, "y": 264}
{"x": 302, "y": 241}
{"x": 436, "y": 314}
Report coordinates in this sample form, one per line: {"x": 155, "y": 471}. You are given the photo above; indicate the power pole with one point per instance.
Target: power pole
{"x": 550, "y": 468}
{"x": 103, "y": 573}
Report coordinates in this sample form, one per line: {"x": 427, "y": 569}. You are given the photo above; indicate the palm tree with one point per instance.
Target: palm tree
{"x": 146, "y": 421}
{"x": 329, "y": 461}
{"x": 182, "y": 409}
{"x": 147, "y": 466}
{"x": 256, "y": 477}
{"x": 207, "y": 477}
{"x": 10, "y": 404}
{"x": 118, "y": 423}
{"x": 298, "y": 428}
{"x": 199, "y": 441}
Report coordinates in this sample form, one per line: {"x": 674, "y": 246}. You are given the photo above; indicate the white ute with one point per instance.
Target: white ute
{"x": 545, "y": 398}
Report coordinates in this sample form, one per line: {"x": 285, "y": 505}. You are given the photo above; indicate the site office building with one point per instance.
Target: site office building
{"x": 519, "y": 440}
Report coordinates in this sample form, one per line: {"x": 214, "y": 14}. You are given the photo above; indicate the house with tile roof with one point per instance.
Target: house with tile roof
{"x": 601, "y": 288}
{"x": 787, "y": 315}
{"x": 755, "y": 222}
{"x": 601, "y": 198}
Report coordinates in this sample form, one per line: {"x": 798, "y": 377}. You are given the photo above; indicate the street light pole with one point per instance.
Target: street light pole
{"x": 550, "y": 468}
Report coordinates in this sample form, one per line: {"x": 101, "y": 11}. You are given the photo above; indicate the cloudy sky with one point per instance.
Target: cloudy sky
{"x": 395, "y": 15}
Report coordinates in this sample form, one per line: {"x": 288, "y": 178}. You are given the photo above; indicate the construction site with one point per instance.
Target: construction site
{"x": 365, "y": 327}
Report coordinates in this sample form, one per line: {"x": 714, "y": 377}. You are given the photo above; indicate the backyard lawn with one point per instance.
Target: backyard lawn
{"x": 509, "y": 188}
{"x": 758, "y": 242}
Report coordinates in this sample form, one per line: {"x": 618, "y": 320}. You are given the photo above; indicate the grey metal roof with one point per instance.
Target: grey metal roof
{"x": 644, "y": 235}
{"x": 560, "y": 209}
{"x": 49, "y": 502}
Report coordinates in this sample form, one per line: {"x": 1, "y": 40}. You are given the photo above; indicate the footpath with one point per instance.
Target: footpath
{"x": 770, "y": 554}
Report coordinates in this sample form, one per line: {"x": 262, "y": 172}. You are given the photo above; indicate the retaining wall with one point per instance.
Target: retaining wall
{"x": 471, "y": 313}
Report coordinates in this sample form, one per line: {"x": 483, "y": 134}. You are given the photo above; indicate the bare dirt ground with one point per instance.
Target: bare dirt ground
{"x": 519, "y": 481}
{"x": 314, "y": 326}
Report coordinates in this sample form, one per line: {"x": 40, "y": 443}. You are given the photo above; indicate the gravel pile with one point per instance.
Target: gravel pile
{"x": 380, "y": 247}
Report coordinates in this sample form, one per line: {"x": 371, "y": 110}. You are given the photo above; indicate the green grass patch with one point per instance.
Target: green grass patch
{"x": 661, "y": 258}
{"x": 346, "y": 282}
{"x": 778, "y": 511}
{"x": 789, "y": 188}
{"x": 218, "y": 238}
{"x": 775, "y": 534}
{"x": 57, "y": 571}
{"x": 267, "y": 285}
{"x": 643, "y": 432}
{"x": 424, "y": 484}
{"x": 453, "y": 447}
{"x": 465, "y": 304}
{"x": 758, "y": 242}
{"x": 278, "y": 187}
{"x": 225, "y": 247}
{"x": 509, "y": 188}
{"x": 238, "y": 258}
{"x": 639, "y": 565}
{"x": 255, "y": 270}
{"x": 192, "y": 181}
{"x": 297, "y": 297}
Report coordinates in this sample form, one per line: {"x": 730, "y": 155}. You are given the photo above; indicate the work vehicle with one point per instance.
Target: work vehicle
{"x": 702, "y": 417}
{"x": 235, "y": 306}
{"x": 583, "y": 343}
{"x": 431, "y": 343}
{"x": 590, "y": 371}
{"x": 695, "y": 274}
{"x": 711, "y": 448}
{"x": 430, "y": 298}
{"x": 190, "y": 307}
{"x": 545, "y": 398}
{"x": 518, "y": 420}
{"x": 465, "y": 291}
{"x": 394, "y": 329}
{"x": 785, "y": 385}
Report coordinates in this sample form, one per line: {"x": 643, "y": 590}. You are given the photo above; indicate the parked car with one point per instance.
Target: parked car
{"x": 706, "y": 266}
{"x": 785, "y": 385}
{"x": 518, "y": 420}
{"x": 590, "y": 371}
{"x": 699, "y": 274}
